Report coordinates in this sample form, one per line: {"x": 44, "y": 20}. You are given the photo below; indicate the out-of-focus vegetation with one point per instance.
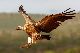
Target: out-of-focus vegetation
{"x": 65, "y": 39}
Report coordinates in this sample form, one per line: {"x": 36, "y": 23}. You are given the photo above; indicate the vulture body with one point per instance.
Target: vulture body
{"x": 47, "y": 24}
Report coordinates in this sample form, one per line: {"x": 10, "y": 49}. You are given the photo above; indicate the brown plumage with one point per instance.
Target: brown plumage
{"x": 50, "y": 22}
{"x": 47, "y": 24}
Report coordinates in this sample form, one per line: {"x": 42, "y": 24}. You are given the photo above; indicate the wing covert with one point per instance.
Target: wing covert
{"x": 49, "y": 23}
{"x": 24, "y": 14}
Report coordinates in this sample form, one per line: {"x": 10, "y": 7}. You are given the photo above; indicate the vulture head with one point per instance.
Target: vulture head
{"x": 19, "y": 28}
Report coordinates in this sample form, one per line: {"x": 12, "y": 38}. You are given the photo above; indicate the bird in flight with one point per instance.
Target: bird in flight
{"x": 47, "y": 24}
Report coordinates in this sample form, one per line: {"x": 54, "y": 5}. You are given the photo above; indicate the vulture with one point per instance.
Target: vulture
{"x": 47, "y": 24}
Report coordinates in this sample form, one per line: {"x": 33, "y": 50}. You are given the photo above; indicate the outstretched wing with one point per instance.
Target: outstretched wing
{"x": 24, "y": 14}
{"x": 50, "y": 22}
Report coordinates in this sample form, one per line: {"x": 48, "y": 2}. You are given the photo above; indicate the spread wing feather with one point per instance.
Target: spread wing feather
{"x": 49, "y": 23}
{"x": 24, "y": 14}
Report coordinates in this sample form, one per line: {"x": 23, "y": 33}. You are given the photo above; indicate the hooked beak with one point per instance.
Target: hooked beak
{"x": 18, "y": 28}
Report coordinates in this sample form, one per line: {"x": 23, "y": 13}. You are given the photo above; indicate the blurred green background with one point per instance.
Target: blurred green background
{"x": 65, "y": 39}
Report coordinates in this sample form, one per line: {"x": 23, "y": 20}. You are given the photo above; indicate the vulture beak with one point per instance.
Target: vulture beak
{"x": 19, "y": 28}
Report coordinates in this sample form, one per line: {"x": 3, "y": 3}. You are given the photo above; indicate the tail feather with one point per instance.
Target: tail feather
{"x": 45, "y": 37}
